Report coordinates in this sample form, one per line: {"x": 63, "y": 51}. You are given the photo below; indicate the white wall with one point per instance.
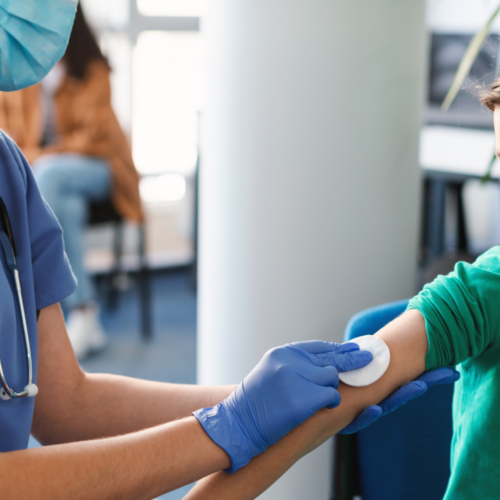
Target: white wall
{"x": 309, "y": 181}
{"x": 460, "y": 16}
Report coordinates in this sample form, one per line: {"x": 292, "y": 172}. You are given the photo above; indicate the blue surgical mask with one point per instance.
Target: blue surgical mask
{"x": 34, "y": 35}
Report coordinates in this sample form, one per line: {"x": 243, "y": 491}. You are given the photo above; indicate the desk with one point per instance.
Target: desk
{"x": 449, "y": 156}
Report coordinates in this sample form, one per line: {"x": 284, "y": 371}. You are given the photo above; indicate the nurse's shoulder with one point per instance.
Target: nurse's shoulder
{"x": 13, "y": 165}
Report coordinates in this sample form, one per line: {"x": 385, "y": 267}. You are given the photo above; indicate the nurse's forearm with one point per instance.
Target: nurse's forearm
{"x": 407, "y": 340}
{"x": 137, "y": 466}
{"x": 111, "y": 405}
{"x": 73, "y": 406}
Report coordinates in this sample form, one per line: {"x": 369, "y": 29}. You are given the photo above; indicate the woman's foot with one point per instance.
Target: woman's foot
{"x": 85, "y": 331}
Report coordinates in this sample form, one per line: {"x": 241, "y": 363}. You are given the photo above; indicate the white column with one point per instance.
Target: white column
{"x": 309, "y": 179}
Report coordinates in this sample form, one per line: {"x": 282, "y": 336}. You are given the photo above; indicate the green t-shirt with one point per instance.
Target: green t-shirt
{"x": 462, "y": 316}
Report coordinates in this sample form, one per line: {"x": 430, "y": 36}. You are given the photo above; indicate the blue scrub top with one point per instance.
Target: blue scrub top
{"x": 46, "y": 278}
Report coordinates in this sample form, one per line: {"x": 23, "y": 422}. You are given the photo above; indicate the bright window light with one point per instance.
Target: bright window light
{"x": 111, "y": 13}
{"x": 167, "y": 96}
{"x": 163, "y": 188}
{"x": 177, "y": 8}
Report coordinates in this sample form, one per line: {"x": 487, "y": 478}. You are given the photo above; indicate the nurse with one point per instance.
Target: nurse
{"x": 152, "y": 437}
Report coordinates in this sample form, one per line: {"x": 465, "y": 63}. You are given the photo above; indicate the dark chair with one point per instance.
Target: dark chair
{"x": 406, "y": 454}
{"x": 104, "y": 212}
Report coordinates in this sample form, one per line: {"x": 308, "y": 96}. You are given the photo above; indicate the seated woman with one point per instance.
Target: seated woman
{"x": 68, "y": 131}
{"x": 453, "y": 321}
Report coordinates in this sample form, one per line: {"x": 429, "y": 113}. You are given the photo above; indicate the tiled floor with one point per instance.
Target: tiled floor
{"x": 171, "y": 355}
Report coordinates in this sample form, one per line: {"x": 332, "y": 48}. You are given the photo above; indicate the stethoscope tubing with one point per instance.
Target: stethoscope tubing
{"x": 4, "y": 217}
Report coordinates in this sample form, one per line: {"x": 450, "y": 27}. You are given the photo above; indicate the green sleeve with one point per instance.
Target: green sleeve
{"x": 461, "y": 311}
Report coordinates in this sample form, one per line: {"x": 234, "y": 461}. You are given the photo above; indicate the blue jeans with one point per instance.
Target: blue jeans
{"x": 69, "y": 182}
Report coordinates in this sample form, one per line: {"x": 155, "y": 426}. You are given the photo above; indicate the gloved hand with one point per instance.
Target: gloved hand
{"x": 288, "y": 385}
{"x": 404, "y": 394}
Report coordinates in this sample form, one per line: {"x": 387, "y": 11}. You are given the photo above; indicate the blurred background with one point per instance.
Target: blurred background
{"x": 155, "y": 50}
{"x": 295, "y": 168}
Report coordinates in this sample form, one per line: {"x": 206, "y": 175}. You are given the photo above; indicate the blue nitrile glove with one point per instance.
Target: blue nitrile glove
{"x": 289, "y": 384}
{"x": 404, "y": 394}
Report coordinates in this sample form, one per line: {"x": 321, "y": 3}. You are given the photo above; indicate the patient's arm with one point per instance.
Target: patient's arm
{"x": 407, "y": 341}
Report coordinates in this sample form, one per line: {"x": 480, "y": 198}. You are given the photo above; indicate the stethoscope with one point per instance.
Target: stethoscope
{"x": 9, "y": 248}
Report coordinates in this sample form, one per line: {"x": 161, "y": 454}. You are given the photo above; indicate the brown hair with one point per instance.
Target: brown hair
{"x": 82, "y": 48}
{"x": 490, "y": 98}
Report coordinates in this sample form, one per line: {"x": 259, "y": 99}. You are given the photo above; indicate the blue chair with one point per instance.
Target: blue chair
{"x": 406, "y": 454}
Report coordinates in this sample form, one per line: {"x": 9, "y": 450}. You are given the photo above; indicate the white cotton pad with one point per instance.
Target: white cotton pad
{"x": 373, "y": 370}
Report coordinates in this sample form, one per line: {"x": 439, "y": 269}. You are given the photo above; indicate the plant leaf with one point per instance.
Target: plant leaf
{"x": 467, "y": 61}
{"x": 487, "y": 176}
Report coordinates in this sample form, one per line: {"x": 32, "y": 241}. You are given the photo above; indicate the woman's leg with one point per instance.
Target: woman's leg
{"x": 69, "y": 183}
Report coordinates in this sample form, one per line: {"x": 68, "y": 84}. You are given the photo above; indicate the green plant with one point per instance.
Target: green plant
{"x": 487, "y": 176}
{"x": 464, "y": 67}
{"x": 468, "y": 59}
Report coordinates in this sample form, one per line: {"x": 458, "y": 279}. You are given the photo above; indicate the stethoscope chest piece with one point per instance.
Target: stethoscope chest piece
{"x": 31, "y": 390}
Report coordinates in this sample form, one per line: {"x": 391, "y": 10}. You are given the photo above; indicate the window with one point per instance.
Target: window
{"x": 194, "y": 8}
{"x": 166, "y": 100}
{"x": 155, "y": 50}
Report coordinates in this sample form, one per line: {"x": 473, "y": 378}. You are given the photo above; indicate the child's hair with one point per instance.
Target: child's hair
{"x": 490, "y": 98}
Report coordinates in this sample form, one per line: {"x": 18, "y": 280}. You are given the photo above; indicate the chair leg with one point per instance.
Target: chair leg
{"x": 346, "y": 482}
{"x": 462, "y": 238}
{"x": 144, "y": 287}
{"x": 435, "y": 219}
{"x": 113, "y": 290}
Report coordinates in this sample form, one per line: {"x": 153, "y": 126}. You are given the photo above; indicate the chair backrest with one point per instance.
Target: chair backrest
{"x": 406, "y": 454}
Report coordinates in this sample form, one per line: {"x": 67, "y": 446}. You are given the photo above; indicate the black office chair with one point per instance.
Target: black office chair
{"x": 104, "y": 212}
